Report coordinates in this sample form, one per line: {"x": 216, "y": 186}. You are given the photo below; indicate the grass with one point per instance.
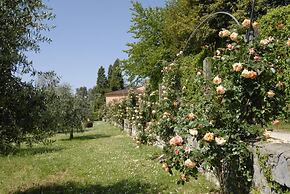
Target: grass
{"x": 100, "y": 160}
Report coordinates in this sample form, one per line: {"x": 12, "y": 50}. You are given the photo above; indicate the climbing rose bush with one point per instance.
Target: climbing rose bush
{"x": 247, "y": 90}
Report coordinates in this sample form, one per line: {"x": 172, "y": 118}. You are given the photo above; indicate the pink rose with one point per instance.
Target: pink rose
{"x": 224, "y": 33}
{"x": 252, "y": 51}
{"x": 252, "y": 74}
{"x": 237, "y": 67}
{"x": 257, "y": 58}
{"x": 189, "y": 164}
{"x": 187, "y": 149}
{"x": 234, "y": 36}
{"x": 220, "y": 90}
{"x": 247, "y": 23}
{"x": 249, "y": 74}
{"x": 217, "y": 80}
{"x": 176, "y": 141}
{"x": 230, "y": 47}
{"x": 176, "y": 152}
{"x": 220, "y": 141}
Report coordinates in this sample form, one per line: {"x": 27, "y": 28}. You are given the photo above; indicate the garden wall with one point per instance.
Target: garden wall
{"x": 270, "y": 158}
{"x": 272, "y": 167}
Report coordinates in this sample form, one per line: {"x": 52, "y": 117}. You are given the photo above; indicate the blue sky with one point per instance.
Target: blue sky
{"x": 88, "y": 34}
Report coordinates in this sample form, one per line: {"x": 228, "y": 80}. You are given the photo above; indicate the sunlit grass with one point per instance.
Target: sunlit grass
{"x": 101, "y": 160}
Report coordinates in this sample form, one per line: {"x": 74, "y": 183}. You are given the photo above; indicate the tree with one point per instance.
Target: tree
{"x": 82, "y": 103}
{"x": 115, "y": 78}
{"x": 110, "y": 74}
{"x": 69, "y": 117}
{"x": 160, "y": 33}
{"x": 101, "y": 88}
{"x": 21, "y": 25}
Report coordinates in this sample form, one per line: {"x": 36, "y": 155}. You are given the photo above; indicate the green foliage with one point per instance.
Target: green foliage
{"x": 248, "y": 90}
{"x": 100, "y": 90}
{"x": 21, "y": 105}
{"x": 161, "y": 33}
{"x": 145, "y": 56}
{"x": 169, "y": 101}
{"x": 115, "y": 79}
{"x": 191, "y": 67}
{"x": 276, "y": 23}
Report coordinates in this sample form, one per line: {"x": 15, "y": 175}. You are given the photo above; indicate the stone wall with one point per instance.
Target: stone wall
{"x": 278, "y": 161}
{"x": 277, "y": 157}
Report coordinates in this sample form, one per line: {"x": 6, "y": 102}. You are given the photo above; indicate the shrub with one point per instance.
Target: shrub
{"x": 248, "y": 89}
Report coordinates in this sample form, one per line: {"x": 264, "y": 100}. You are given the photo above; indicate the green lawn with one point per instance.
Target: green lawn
{"x": 100, "y": 160}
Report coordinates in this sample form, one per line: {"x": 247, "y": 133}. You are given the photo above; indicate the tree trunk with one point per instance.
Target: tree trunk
{"x": 71, "y": 134}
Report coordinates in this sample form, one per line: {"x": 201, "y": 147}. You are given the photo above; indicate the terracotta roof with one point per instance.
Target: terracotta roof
{"x": 124, "y": 92}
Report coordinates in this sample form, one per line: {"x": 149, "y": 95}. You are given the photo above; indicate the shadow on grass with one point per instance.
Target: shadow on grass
{"x": 125, "y": 186}
{"x": 36, "y": 150}
{"x": 87, "y": 137}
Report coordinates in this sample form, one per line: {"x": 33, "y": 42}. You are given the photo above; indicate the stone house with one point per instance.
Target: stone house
{"x": 119, "y": 95}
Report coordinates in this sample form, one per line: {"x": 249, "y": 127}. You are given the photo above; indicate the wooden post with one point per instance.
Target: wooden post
{"x": 207, "y": 63}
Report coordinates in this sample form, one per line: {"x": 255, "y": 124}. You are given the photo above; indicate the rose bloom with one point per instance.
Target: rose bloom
{"x": 264, "y": 42}
{"x": 270, "y": 39}
{"x": 288, "y": 42}
{"x": 220, "y": 141}
{"x": 190, "y": 164}
{"x": 165, "y": 167}
{"x": 193, "y": 132}
{"x": 252, "y": 51}
{"x": 237, "y": 67}
{"x": 153, "y": 111}
{"x": 234, "y": 36}
{"x": 257, "y": 58}
{"x": 217, "y": 80}
{"x": 230, "y": 47}
{"x": 209, "y": 137}
{"x": 184, "y": 177}
{"x": 191, "y": 116}
{"x": 276, "y": 122}
{"x": 270, "y": 94}
{"x": 187, "y": 149}
{"x": 220, "y": 90}
{"x": 267, "y": 134}
{"x": 198, "y": 73}
{"x": 176, "y": 152}
{"x": 252, "y": 74}
{"x": 176, "y": 141}
{"x": 224, "y": 33}
{"x": 247, "y": 23}
{"x": 249, "y": 74}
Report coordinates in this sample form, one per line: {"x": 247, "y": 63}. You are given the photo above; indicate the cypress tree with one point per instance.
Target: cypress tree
{"x": 101, "y": 88}
{"x": 116, "y": 81}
